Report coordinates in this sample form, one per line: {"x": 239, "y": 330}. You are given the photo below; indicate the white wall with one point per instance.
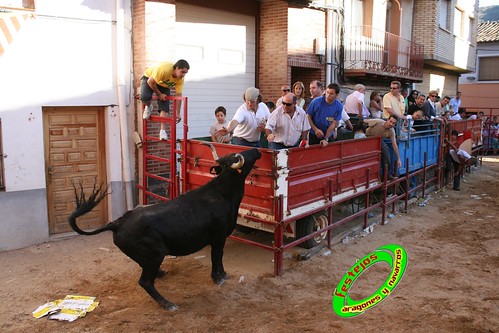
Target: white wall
{"x": 220, "y": 47}
{"x": 65, "y": 55}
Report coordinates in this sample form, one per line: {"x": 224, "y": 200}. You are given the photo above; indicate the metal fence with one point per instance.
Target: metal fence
{"x": 379, "y": 52}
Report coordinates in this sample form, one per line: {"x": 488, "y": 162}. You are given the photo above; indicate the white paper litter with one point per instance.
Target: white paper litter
{"x": 69, "y": 309}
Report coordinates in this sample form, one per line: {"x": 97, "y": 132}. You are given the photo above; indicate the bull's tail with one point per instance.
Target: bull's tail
{"x": 84, "y": 206}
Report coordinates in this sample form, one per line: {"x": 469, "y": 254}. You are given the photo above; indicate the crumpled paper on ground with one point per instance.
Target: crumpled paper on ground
{"x": 69, "y": 309}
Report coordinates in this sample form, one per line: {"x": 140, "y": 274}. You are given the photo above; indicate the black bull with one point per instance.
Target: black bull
{"x": 184, "y": 225}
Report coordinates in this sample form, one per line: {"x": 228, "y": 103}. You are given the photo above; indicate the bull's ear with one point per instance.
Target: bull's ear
{"x": 215, "y": 170}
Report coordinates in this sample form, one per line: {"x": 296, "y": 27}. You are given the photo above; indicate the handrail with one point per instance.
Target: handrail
{"x": 383, "y": 53}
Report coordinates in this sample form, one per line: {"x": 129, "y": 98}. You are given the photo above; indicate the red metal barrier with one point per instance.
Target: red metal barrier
{"x": 289, "y": 185}
{"x": 161, "y": 178}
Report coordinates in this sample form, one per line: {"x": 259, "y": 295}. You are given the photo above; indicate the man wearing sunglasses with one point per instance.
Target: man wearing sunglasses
{"x": 284, "y": 90}
{"x": 323, "y": 114}
{"x": 287, "y": 125}
{"x": 428, "y": 107}
{"x": 393, "y": 102}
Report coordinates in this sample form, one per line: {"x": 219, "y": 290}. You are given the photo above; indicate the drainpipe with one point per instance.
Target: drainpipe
{"x": 333, "y": 39}
{"x": 120, "y": 84}
{"x": 330, "y": 46}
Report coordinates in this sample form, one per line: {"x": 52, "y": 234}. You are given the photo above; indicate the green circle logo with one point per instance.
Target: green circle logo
{"x": 394, "y": 255}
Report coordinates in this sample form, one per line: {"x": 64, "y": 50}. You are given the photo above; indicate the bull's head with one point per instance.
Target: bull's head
{"x": 236, "y": 165}
{"x": 234, "y": 161}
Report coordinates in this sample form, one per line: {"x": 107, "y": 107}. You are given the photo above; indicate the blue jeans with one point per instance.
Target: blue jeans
{"x": 243, "y": 142}
{"x": 146, "y": 95}
{"x": 279, "y": 145}
{"x": 313, "y": 140}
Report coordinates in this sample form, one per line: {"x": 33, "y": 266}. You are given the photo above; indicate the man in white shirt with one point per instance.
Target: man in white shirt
{"x": 248, "y": 122}
{"x": 287, "y": 125}
{"x": 459, "y": 116}
{"x": 354, "y": 103}
{"x": 455, "y": 103}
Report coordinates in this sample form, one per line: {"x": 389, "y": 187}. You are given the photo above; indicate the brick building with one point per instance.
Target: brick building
{"x": 448, "y": 30}
{"x": 479, "y": 88}
{"x": 349, "y": 42}
{"x": 85, "y": 129}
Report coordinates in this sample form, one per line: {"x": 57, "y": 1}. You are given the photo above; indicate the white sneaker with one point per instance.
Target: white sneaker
{"x": 163, "y": 135}
{"x": 147, "y": 111}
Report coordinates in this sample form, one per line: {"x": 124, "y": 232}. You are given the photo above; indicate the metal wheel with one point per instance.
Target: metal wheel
{"x": 308, "y": 225}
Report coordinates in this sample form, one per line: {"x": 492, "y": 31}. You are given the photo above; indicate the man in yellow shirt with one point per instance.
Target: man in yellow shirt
{"x": 393, "y": 102}
{"x": 159, "y": 79}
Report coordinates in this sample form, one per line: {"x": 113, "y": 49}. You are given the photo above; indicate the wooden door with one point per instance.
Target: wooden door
{"x": 74, "y": 153}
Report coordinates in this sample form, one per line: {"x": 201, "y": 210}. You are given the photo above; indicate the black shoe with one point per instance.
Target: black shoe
{"x": 456, "y": 189}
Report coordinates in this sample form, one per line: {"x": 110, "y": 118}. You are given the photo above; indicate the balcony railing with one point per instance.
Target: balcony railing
{"x": 369, "y": 51}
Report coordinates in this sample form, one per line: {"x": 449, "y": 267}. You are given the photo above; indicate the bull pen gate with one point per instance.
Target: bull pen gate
{"x": 291, "y": 193}
{"x": 160, "y": 179}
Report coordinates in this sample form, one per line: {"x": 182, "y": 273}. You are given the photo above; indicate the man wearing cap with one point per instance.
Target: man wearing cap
{"x": 248, "y": 122}
{"x": 287, "y": 125}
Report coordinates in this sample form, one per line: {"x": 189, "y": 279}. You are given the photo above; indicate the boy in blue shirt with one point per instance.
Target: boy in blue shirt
{"x": 323, "y": 114}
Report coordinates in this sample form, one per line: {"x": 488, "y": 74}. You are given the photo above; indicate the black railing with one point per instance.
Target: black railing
{"x": 373, "y": 51}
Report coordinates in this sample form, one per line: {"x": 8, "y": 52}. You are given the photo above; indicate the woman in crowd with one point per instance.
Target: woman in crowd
{"x": 299, "y": 90}
{"x": 411, "y": 99}
{"x": 376, "y": 105}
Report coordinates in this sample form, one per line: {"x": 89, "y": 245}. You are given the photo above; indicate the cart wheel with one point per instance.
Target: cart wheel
{"x": 308, "y": 225}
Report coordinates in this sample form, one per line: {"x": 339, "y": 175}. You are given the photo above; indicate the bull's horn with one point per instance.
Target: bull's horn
{"x": 238, "y": 164}
{"x": 214, "y": 152}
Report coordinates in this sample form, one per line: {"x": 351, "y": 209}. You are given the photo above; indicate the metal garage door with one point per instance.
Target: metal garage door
{"x": 220, "y": 47}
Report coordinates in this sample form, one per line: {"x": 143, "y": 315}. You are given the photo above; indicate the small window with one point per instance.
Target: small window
{"x": 471, "y": 23}
{"x": 488, "y": 68}
{"x": 444, "y": 14}
{"x": 18, "y": 4}
{"x": 2, "y": 173}
{"x": 458, "y": 22}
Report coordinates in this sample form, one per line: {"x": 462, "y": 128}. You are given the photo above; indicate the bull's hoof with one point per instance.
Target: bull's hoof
{"x": 219, "y": 281}
{"x": 169, "y": 306}
{"x": 173, "y": 307}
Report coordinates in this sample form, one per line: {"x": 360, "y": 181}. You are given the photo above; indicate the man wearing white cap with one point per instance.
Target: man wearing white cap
{"x": 248, "y": 122}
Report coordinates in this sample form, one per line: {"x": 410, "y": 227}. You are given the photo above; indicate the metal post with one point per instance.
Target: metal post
{"x": 279, "y": 239}
{"x": 424, "y": 175}
{"x": 368, "y": 174}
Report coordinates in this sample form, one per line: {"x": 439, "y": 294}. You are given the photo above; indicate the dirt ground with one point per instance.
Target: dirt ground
{"x": 450, "y": 285}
